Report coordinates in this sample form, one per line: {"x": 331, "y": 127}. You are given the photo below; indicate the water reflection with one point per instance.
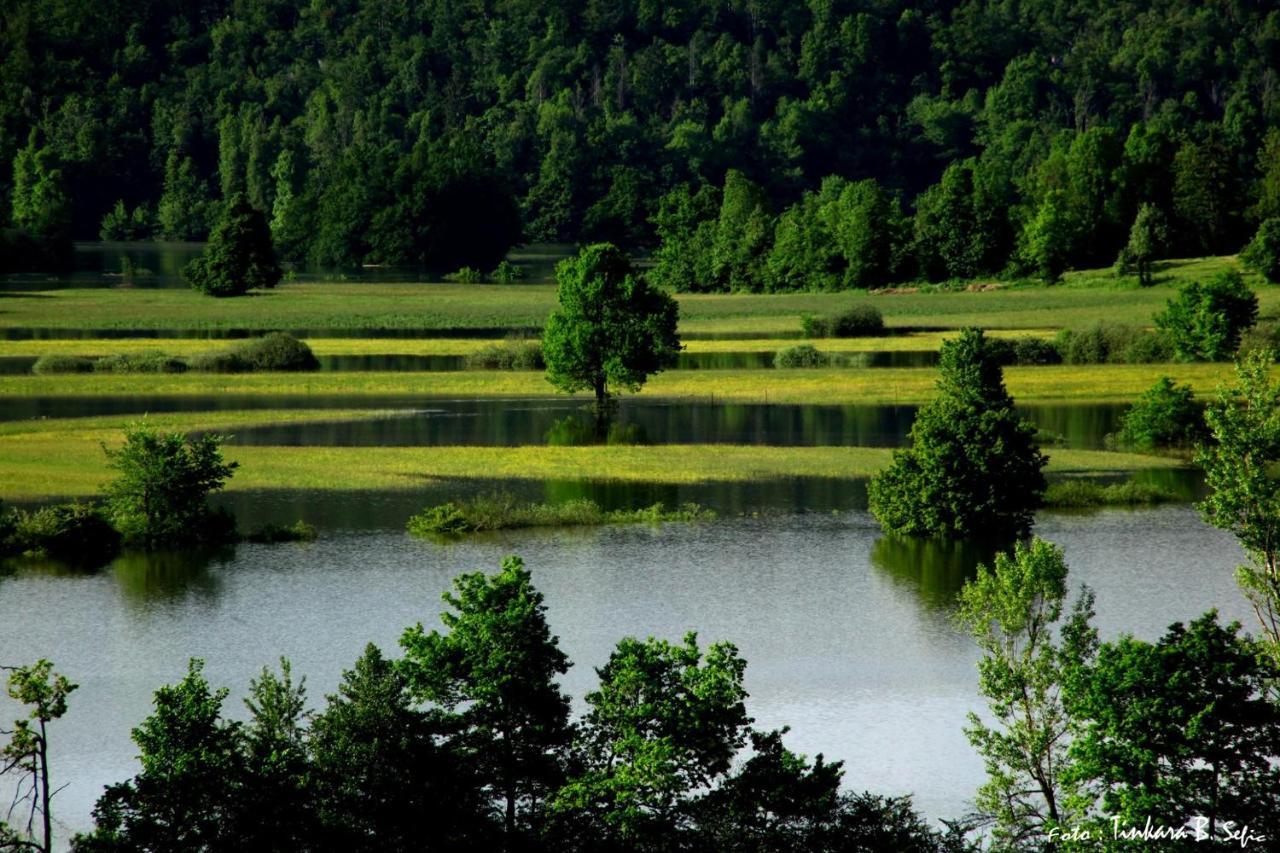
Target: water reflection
{"x": 516, "y": 423}
{"x": 147, "y": 577}
{"x": 146, "y": 264}
{"x": 935, "y": 569}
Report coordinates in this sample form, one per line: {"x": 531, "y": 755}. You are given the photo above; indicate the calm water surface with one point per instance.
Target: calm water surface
{"x": 425, "y": 421}
{"x": 847, "y": 636}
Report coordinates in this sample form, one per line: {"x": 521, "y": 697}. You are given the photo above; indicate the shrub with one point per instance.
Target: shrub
{"x": 139, "y": 362}
{"x": 226, "y": 361}
{"x": 1024, "y": 351}
{"x": 466, "y": 275}
{"x": 509, "y": 355}
{"x": 160, "y": 496}
{"x": 1206, "y": 321}
{"x": 507, "y": 273}
{"x": 8, "y": 531}
{"x": 72, "y": 532}
{"x": 815, "y": 327}
{"x": 1262, "y": 336}
{"x": 239, "y": 256}
{"x": 271, "y": 534}
{"x": 1107, "y": 343}
{"x": 860, "y": 321}
{"x": 799, "y": 356}
{"x": 1166, "y": 415}
{"x": 278, "y": 351}
{"x": 1263, "y": 252}
{"x": 445, "y": 519}
{"x": 48, "y": 364}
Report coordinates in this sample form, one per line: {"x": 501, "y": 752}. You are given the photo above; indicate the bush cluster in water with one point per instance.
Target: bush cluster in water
{"x": 504, "y": 512}
{"x": 1065, "y": 494}
{"x": 277, "y": 351}
{"x": 72, "y": 532}
{"x": 860, "y": 321}
{"x": 1166, "y": 415}
{"x": 801, "y": 355}
{"x": 508, "y": 355}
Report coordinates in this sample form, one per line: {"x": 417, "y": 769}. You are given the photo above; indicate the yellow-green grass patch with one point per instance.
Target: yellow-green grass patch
{"x": 71, "y": 462}
{"x": 835, "y": 386}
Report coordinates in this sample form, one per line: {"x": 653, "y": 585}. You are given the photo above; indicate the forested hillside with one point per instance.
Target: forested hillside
{"x": 736, "y": 138}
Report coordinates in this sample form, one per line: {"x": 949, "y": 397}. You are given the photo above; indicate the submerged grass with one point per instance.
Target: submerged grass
{"x": 1076, "y": 493}
{"x": 503, "y": 512}
{"x": 833, "y": 386}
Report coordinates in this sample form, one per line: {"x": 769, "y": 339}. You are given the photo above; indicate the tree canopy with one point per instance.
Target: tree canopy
{"x": 612, "y": 329}
{"x": 973, "y": 468}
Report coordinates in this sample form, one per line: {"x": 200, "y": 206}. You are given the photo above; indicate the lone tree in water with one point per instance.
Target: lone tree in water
{"x": 612, "y": 329}
{"x": 973, "y": 467}
{"x": 239, "y": 257}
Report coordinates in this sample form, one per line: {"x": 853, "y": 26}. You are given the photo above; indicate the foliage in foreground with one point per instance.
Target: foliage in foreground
{"x": 505, "y": 512}
{"x": 972, "y": 468}
{"x": 1239, "y": 462}
{"x": 1084, "y": 739}
{"x": 467, "y": 744}
{"x": 1012, "y": 609}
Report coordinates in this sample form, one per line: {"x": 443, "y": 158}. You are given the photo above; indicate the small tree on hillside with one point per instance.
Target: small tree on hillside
{"x": 612, "y": 329}
{"x": 1263, "y": 252}
{"x": 973, "y": 467}
{"x": 239, "y": 257}
{"x": 1206, "y": 321}
{"x": 1148, "y": 239}
{"x": 161, "y": 494}
{"x": 1048, "y": 236}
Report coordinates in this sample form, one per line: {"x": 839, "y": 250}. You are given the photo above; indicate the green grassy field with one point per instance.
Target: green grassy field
{"x": 834, "y": 386}
{"x": 907, "y": 342}
{"x": 65, "y": 458}
{"x": 1083, "y": 298}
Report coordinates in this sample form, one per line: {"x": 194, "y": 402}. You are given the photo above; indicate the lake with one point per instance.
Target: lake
{"x": 847, "y": 634}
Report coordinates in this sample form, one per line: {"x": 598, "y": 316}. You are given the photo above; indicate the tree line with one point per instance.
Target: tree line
{"x": 810, "y": 144}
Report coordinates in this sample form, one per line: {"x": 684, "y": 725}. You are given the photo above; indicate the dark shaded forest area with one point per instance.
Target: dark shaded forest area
{"x": 440, "y": 133}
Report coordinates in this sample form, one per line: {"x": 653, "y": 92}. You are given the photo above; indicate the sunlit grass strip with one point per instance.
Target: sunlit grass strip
{"x": 71, "y": 463}
{"x": 834, "y": 386}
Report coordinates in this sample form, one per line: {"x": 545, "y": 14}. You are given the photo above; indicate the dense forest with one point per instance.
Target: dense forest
{"x": 752, "y": 144}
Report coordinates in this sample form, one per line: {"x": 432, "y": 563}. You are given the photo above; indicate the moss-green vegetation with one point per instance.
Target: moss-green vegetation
{"x": 271, "y": 534}
{"x": 503, "y": 512}
{"x": 1084, "y": 298}
{"x": 1077, "y": 493}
